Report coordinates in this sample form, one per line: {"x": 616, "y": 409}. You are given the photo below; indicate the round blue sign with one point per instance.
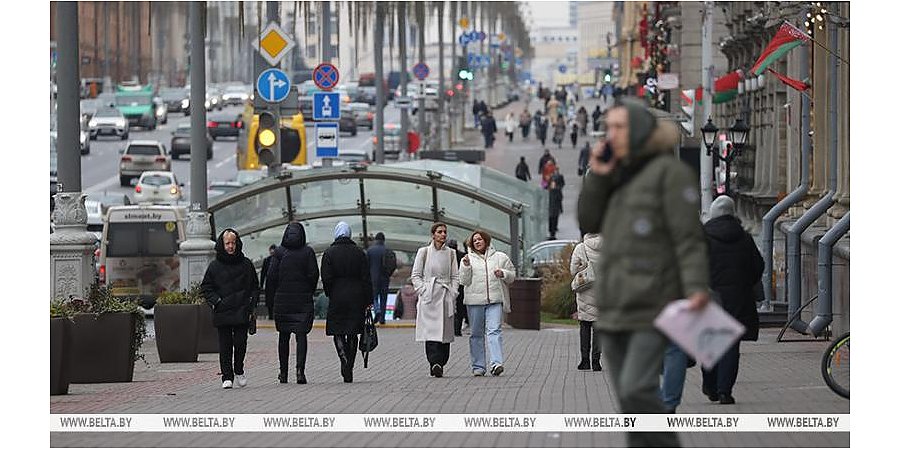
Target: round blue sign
{"x": 421, "y": 71}
{"x": 273, "y": 85}
{"x": 326, "y": 76}
{"x": 562, "y": 68}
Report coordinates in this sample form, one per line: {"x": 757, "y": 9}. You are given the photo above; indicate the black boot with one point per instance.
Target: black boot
{"x": 350, "y": 353}
{"x": 301, "y": 377}
{"x": 339, "y": 345}
{"x": 584, "y": 365}
{"x": 282, "y": 376}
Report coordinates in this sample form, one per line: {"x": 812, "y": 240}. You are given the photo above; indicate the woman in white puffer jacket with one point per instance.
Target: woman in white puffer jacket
{"x": 486, "y": 275}
{"x": 588, "y": 250}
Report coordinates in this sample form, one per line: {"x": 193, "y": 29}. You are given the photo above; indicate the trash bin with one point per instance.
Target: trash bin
{"x": 525, "y": 304}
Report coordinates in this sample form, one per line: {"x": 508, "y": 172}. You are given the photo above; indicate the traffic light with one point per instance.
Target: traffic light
{"x": 267, "y": 137}
{"x": 463, "y": 72}
{"x": 607, "y": 77}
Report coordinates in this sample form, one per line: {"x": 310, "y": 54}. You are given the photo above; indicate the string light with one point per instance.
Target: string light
{"x": 819, "y": 18}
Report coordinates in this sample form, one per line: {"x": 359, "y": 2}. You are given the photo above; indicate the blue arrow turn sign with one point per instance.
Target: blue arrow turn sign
{"x": 273, "y": 85}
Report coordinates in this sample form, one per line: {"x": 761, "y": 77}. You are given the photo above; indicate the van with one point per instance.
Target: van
{"x": 139, "y": 251}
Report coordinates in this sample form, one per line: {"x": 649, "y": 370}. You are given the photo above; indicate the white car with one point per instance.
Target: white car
{"x": 158, "y": 187}
{"x": 142, "y": 156}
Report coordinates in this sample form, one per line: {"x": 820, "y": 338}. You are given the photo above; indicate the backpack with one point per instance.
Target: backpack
{"x": 388, "y": 263}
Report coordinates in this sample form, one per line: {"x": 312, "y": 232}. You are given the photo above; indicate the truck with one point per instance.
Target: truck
{"x": 137, "y": 105}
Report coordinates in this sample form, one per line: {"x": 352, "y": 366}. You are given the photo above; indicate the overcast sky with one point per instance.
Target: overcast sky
{"x": 549, "y": 13}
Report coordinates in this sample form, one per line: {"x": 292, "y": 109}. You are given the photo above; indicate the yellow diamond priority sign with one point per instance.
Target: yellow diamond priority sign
{"x": 273, "y": 44}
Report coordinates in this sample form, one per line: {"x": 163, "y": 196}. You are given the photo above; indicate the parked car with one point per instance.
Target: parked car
{"x": 158, "y": 187}
{"x": 181, "y": 142}
{"x": 176, "y": 100}
{"x": 213, "y": 99}
{"x": 347, "y": 123}
{"x": 142, "y": 156}
{"x": 224, "y": 125}
{"x": 544, "y": 254}
{"x": 364, "y": 113}
{"x": 391, "y": 141}
{"x": 97, "y": 205}
{"x": 108, "y": 121}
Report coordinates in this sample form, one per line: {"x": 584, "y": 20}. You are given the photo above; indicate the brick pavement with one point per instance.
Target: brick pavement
{"x": 540, "y": 378}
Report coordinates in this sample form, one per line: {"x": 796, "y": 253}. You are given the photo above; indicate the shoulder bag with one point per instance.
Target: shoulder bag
{"x": 584, "y": 278}
{"x": 369, "y": 339}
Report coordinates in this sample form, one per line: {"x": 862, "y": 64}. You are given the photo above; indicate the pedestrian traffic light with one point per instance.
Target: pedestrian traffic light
{"x": 267, "y": 137}
{"x": 607, "y": 76}
{"x": 466, "y": 74}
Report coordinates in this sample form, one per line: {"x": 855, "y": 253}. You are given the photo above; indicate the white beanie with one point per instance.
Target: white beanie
{"x": 341, "y": 230}
{"x": 723, "y": 205}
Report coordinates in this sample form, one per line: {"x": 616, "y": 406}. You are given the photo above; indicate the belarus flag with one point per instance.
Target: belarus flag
{"x": 787, "y": 37}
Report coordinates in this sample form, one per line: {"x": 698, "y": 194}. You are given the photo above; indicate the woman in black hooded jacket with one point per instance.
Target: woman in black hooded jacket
{"x": 291, "y": 281}
{"x": 231, "y": 288}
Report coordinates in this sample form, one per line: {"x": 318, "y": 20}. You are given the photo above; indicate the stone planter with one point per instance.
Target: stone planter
{"x": 177, "y": 332}
{"x": 60, "y": 347}
{"x": 101, "y": 348}
{"x": 209, "y": 335}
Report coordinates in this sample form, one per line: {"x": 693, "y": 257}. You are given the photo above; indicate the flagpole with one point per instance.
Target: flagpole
{"x": 817, "y": 42}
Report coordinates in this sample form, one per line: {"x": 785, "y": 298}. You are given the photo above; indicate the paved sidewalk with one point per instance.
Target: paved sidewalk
{"x": 540, "y": 377}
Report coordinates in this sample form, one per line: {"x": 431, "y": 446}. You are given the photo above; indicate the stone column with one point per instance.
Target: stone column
{"x": 843, "y": 190}
{"x": 71, "y": 247}
{"x": 197, "y": 251}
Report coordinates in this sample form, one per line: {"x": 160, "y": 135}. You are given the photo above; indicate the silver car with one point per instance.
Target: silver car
{"x": 364, "y": 113}
{"x": 108, "y": 121}
{"x": 158, "y": 188}
{"x": 142, "y": 156}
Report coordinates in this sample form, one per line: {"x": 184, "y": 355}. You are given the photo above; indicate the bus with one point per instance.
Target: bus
{"x": 139, "y": 251}
{"x": 293, "y": 141}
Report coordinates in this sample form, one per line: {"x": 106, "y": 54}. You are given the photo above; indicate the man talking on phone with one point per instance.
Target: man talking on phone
{"x": 646, "y": 204}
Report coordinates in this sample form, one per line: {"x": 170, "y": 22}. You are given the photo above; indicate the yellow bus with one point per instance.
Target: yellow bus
{"x": 293, "y": 140}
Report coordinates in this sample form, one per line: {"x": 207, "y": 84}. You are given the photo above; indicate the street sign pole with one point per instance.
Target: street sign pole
{"x": 273, "y": 16}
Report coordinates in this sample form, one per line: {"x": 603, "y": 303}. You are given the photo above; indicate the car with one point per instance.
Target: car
{"x": 235, "y": 95}
{"x": 158, "y": 187}
{"x": 137, "y": 105}
{"x": 97, "y": 205}
{"x": 354, "y": 156}
{"x": 108, "y": 121}
{"x": 546, "y": 253}
{"x": 224, "y": 125}
{"x": 176, "y": 100}
{"x": 162, "y": 112}
{"x": 364, "y": 113}
{"x": 391, "y": 141}
{"x": 213, "y": 99}
{"x": 181, "y": 142}
{"x": 142, "y": 156}
{"x": 347, "y": 123}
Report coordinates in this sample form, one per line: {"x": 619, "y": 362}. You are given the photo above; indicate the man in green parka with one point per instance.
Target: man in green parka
{"x": 646, "y": 204}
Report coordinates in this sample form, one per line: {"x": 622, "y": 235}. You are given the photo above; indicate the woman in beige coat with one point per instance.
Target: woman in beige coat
{"x": 435, "y": 276}
{"x": 588, "y": 250}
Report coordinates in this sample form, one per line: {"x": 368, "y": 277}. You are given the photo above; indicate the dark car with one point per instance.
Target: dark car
{"x": 181, "y": 142}
{"x": 223, "y": 124}
{"x": 348, "y": 121}
{"x": 176, "y": 99}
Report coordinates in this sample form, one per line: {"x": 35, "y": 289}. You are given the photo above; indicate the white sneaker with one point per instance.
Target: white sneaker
{"x": 241, "y": 380}
{"x": 226, "y": 384}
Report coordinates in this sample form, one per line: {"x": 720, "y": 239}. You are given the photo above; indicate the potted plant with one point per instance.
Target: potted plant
{"x": 107, "y": 333}
{"x": 177, "y": 324}
{"x": 60, "y": 337}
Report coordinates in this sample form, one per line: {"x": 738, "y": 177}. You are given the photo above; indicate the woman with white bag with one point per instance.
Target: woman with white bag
{"x": 584, "y": 259}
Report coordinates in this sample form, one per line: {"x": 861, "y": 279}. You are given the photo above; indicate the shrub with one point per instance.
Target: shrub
{"x": 191, "y": 296}
{"x": 556, "y": 292}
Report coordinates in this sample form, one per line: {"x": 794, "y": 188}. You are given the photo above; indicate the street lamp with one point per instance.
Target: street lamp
{"x": 710, "y": 130}
{"x": 739, "y": 132}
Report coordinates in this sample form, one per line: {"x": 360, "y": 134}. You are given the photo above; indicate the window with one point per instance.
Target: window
{"x": 157, "y": 180}
{"x": 143, "y": 150}
{"x": 142, "y": 239}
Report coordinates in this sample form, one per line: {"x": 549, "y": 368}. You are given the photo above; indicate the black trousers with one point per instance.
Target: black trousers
{"x": 232, "y": 344}
{"x": 348, "y": 345}
{"x": 554, "y": 222}
{"x": 721, "y": 378}
{"x": 590, "y": 350}
{"x": 437, "y": 353}
{"x": 461, "y": 313}
{"x": 284, "y": 350}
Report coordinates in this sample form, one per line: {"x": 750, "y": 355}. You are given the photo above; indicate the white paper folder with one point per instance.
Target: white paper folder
{"x": 705, "y": 335}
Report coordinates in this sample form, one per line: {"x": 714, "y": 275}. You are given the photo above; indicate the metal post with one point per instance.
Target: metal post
{"x": 420, "y": 24}
{"x": 404, "y": 77}
{"x": 706, "y": 167}
{"x": 825, "y": 308}
{"x": 378, "y": 44}
{"x": 326, "y": 31}
{"x": 438, "y": 120}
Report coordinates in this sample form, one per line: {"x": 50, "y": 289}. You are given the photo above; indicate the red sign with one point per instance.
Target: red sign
{"x": 326, "y": 76}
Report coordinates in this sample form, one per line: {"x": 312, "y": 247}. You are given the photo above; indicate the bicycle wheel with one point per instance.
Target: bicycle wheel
{"x": 836, "y": 366}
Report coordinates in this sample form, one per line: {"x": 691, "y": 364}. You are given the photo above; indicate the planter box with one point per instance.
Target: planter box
{"x": 60, "y": 336}
{"x": 525, "y": 304}
{"x": 177, "y": 332}
{"x": 101, "y": 348}
{"x": 209, "y": 335}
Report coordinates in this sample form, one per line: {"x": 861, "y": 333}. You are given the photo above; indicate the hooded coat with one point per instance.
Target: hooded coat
{"x": 292, "y": 280}
{"x": 348, "y": 285}
{"x": 647, "y": 210}
{"x": 587, "y": 250}
{"x": 735, "y": 267}
{"x": 230, "y": 285}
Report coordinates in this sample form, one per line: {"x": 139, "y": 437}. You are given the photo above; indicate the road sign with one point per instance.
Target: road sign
{"x": 562, "y": 68}
{"x": 326, "y": 76}
{"x": 326, "y": 106}
{"x": 327, "y": 140}
{"x": 403, "y": 102}
{"x": 273, "y": 44}
{"x": 421, "y": 71}
{"x": 464, "y": 39}
{"x": 464, "y": 22}
{"x": 482, "y": 36}
{"x": 273, "y": 85}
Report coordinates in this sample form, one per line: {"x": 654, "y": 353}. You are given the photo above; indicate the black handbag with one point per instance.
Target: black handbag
{"x": 369, "y": 339}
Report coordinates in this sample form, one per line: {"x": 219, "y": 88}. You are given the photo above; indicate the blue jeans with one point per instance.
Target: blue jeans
{"x": 483, "y": 317}
{"x": 380, "y": 303}
{"x": 674, "y": 369}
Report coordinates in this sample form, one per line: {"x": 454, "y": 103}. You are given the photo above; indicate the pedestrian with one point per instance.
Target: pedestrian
{"x": 522, "y": 171}
{"x": 525, "y": 123}
{"x": 486, "y": 275}
{"x": 647, "y": 203}
{"x": 382, "y": 264}
{"x": 460, "y": 308}
{"x": 293, "y": 278}
{"x": 559, "y": 130}
{"x": 549, "y": 170}
{"x": 596, "y": 116}
{"x": 556, "y": 208}
{"x": 510, "y": 125}
{"x": 735, "y": 267}
{"x": 574, "y": 134}
{"x": 476, "y": 113}
{"x": 231, "y": 288}
{"x": 584, "y": 156}
{"x": 553, "y": 109}
{"x": 270, "y": 302}
{"x": 541, "y": 125}
{"x": 348, "y": 285}
{"x": 582, "y": 118}
{"x": 586, "y": 256}
{"x": 488, "y": 129}
{"x": 435, "y": 275}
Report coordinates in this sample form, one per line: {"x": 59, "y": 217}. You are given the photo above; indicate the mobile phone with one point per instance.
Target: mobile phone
{"x": 607, "y": 154}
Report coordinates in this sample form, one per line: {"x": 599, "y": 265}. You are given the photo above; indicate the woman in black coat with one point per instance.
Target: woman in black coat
{"x": 231, "y": 288}
{"x": 735, "y": 267}
{"x": 291, "y": 282}
{"x": 348, "y": 285}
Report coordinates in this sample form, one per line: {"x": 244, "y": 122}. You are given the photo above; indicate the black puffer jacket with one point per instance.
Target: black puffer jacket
{"x": 230, "y": 285}
{"x": 348, "y": 285}
{"x": 291, "y": 281}
{"x": 735, "y": 267}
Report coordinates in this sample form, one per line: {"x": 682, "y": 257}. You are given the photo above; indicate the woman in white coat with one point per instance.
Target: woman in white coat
{"x": 510, "y": 125}
{"x": 486, "y": 275}
{"x": 435, "y": 276}
{"x": 586, "y": 256}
